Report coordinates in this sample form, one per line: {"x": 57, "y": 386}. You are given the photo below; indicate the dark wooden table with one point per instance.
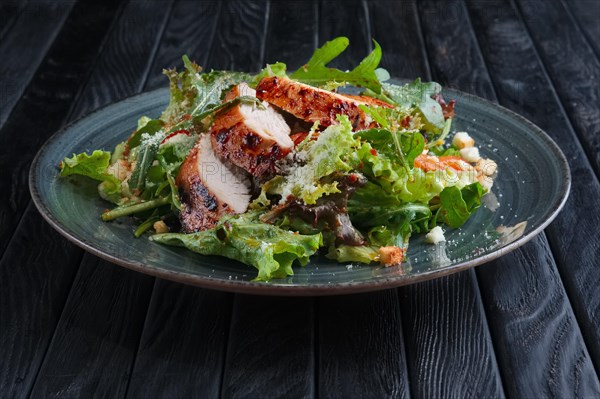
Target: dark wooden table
{"x": 526, "y": 325}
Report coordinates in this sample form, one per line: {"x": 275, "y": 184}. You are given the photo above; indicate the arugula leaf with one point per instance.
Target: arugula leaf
{"x": 458, "y": 205}
{"x": 246, "y": 239}
{"x": 316, "y": 72}
{"x": 93, "y": 166}
{"x": 404, "y": 145}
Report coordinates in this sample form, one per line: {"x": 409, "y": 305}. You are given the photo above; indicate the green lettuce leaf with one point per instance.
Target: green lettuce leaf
{"x": 277, "y": 69}
{"x": 246, "y": 239}
{"x": 316, "y": 72}
{"x": 330, "y": 153}
{"x": 459, "y": 204}
{"x": 93, "y": 166}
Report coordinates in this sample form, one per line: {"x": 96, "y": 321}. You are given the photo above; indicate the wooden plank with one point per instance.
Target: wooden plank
{"x": 33, "y": 291}
{"x": 449, "y": 347}
{"x": 293, "y": 21}
{"x": 571, "y": 64}
{"x": 48, "y": 97}
{"x": 404, "y": 54}
{"x": 361, "y": 347}
{"x": 98, "y": 333}
{"x": 351, "y": 20}
{"x": 137, "y": 32}
{"x": 123, "y": 66}
{"x": 182, "y": 349}
{"x": 239, "y": 39}
{"x": 34, "y": 287}
{"x": 450, "y": 40}
{"x": 109, "y": 298}
{"x": 522, "y": 85}
{"x": 541, "y": 350}
{"x": 190, "y": 31}
{"x": 458, "y": 360}
{"x": 270, "y": 350}
{"x": 9, "y": 12}
{"x": 586, "y": 14}
{"x": 24, "y": 44}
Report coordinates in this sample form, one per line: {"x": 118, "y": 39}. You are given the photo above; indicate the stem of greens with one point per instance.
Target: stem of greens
{"x": 142, "y": 228}
{"x": 400, "y": 153}
{"x": 131, "y": 209}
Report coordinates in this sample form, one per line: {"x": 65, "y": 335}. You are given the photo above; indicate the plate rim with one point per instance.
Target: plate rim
{"x": 315, "y": 289}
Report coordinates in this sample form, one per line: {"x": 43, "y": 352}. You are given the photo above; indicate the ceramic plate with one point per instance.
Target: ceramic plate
{"x": 531, "y": 187}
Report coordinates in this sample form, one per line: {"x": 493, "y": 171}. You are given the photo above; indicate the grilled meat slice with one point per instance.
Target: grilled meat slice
{"x": 250, "y": 136}
{"x": 312, "y": 104}
{"x": 209, "y": 188}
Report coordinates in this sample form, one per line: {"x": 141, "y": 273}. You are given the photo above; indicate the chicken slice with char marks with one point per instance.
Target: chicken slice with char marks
{"x": 250, "y": 136}
{"x": 312, "y": 104}
{"x": 209, "y": 188}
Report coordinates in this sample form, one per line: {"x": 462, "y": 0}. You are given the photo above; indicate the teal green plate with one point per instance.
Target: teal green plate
{"x": 531, "y": 187}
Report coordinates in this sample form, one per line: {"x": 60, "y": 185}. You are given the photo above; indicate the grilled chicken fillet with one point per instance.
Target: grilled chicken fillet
{"x": 209, "y": 188}
{"x": 312, "y": 104}
{"x": 250, "y": 136}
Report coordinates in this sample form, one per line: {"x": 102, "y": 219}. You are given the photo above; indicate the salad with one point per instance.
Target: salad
{"x": 271, "y": 168}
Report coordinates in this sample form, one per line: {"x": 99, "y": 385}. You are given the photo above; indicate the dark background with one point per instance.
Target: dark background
{"x": 526, "y": 325}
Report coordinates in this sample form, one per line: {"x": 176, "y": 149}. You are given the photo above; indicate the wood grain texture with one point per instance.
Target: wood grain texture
{"x": 48, "y": 97}
{"x": 25, "y": 44}
{"x": 448, "y": 43}
{"x": 9, "y": 12}
{"x": 541, "y": 350}
{"x": 361, "y": 348}
{"x": 586, "y": 14}
{"x": 447, "y": 340}
{"x": 239, "y": 39}
{"x": 522, "y": 85}
{"x": 123, "y": 65}
{"x": 395, "y": 25}
{"x": 455, "y": 58}
{"x": 33, "y": 291}
{"x": 270, "y": 349}
{"x": 350, "y": 20}
{"x": 571, "y": 64}
{"x": 182, "y": 348}
{"x": 190, "y": 31}
{"x": 292, "y": 34}
{"x": 97, "y": 337}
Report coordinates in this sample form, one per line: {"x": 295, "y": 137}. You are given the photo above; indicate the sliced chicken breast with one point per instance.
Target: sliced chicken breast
{"x": 250, "y": 136}
{"x": 312, "y": 104}
{"x": 209, "y": 188}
